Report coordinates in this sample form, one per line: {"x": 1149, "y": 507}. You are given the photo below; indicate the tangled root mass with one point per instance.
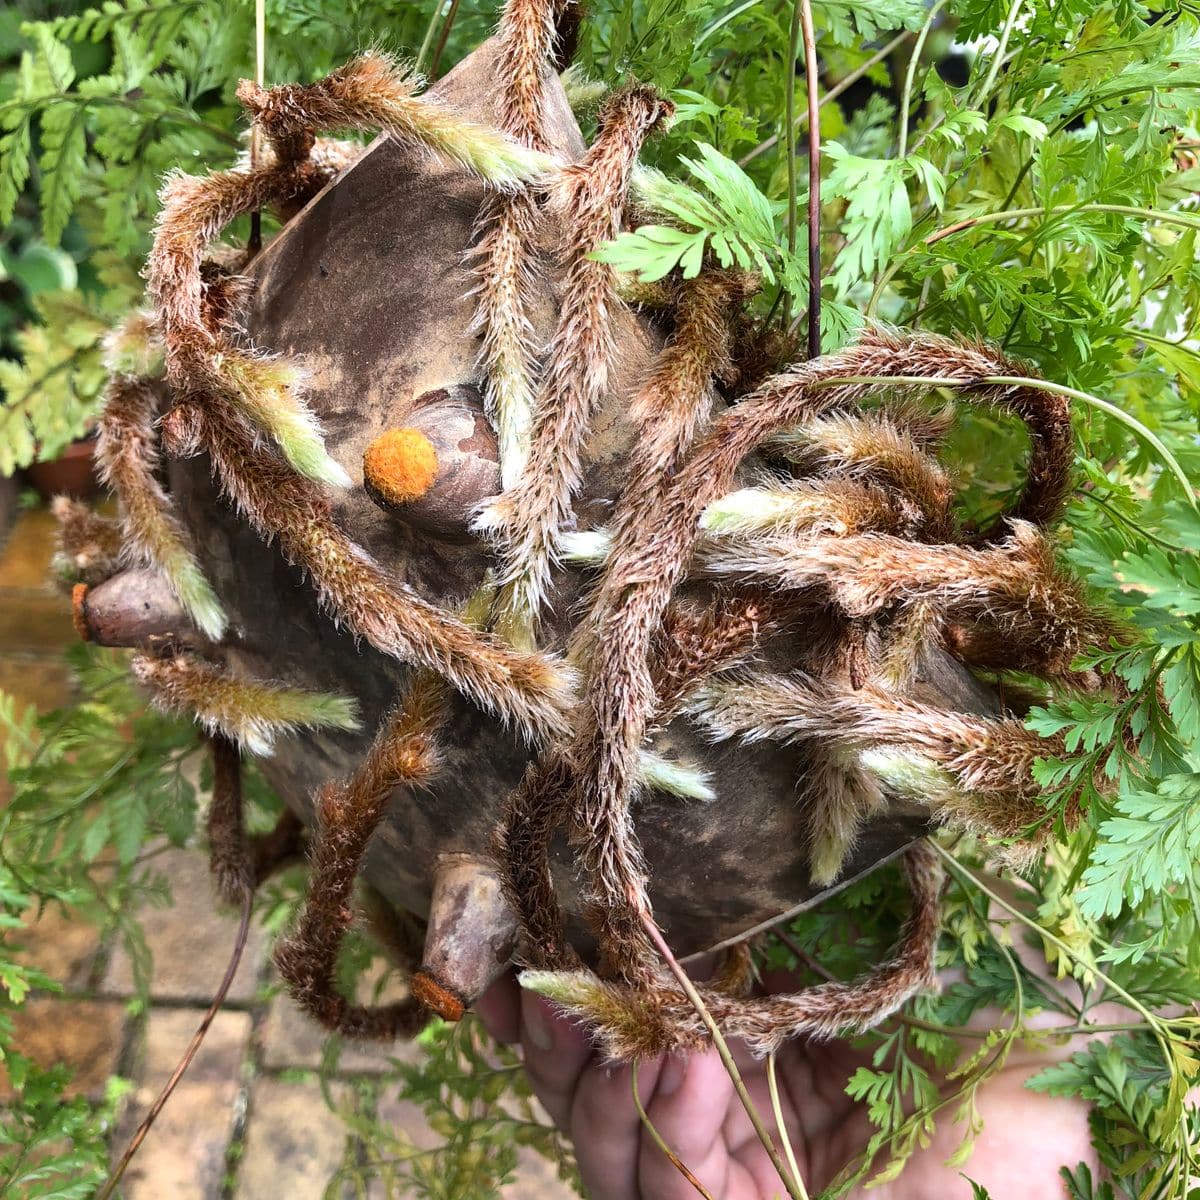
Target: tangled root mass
{"x": 848, "y": 526}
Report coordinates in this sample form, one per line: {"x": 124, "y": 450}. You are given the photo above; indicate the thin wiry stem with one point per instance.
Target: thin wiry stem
{"x": 794, "y": 1189}
{"x": 260, "y": 75}
{"x": 189, "y": 1054}
{"x": 430, "y": 32}
{"x": 814, "y": 181}
{"x": 447, "y": 25}
{"x": 1163, "y": 1034}
{"x": 781, "y": 1124}
{"x": 834, "y": 92}
{"x": 998, "y": 57}
{"x": 803, "y": 956}
{"x": 659, "y": 1141}
{"x": 911, "y": 72}
{"x": 789, "y": 116}
{"x": 723, "y": 20}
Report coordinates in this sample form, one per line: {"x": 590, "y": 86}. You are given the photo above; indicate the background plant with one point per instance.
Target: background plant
{"x": 1017, "y": 171}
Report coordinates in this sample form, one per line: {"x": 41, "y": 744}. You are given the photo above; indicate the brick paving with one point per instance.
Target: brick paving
{"x": 249, "y": 1121}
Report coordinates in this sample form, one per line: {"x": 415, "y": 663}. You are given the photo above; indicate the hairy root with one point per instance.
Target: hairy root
{"x": 229, "y": 854}
{"x": 588, "y": 197}
{"x": 372, "y": 92}
{"x": 640, "y": 1022}
{"x": 127, "y": 455}
{"x": 248, "y": 712}
{"x": 532, "y": 691}
{"x": 404, "y": 754}
{"x": 840, "y": 538}
{"x": 89, "y": 547}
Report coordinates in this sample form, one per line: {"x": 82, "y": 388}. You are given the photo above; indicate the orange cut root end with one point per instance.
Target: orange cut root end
{"x": 434, "y": 996}
{"x": 400, "y": 465}
{"x": 78, "y": 616}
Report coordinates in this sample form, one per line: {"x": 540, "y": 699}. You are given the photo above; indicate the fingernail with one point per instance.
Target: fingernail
{"x": 671, "y": 1075}
{"x": 538, "y": 1024}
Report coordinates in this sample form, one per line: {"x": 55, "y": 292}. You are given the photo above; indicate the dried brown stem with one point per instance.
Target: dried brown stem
{"x": 189, "y": 1054}
{"x": 659, "y": 1141}
{"x": 794, "y": 1189}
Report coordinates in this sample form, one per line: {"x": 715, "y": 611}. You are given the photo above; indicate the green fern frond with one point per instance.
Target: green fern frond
{"x": 52, "y": 393}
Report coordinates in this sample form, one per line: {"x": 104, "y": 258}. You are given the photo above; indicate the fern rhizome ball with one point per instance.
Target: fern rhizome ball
{"x": 624, "y": 626}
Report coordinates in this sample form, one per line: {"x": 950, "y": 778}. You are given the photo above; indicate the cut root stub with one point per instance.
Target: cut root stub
{"x": 470, "y": 939}
{"x": 131, "y": 610}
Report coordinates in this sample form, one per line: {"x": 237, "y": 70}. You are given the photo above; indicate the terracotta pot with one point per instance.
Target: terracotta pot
{"x": 70, "y": 474}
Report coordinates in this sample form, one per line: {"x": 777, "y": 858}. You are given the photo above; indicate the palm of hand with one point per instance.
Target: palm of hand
{"x": 693, "y": 1106}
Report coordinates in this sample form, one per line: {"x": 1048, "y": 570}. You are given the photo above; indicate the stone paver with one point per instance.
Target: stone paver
{"x": 537, "y": 1179}
{"x": 46, "y": 684}
{"x": 293, "y": 1143}
{"x": 292, "y": 1040}
{"x": 10, "y": 491}
{"x": 63, "y": 945}
{"x": 36, "y": 624}
{"x": 25, "y": 558}
{"x": 407, "y": 1120}
{"x": 33, "y": 620}
{"x": 184, "y": 1156}
{"x": 86, "y": 1035}
{"x": 191, "y": 940}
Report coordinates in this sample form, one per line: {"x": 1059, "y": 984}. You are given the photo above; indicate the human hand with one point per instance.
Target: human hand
{"x": 690, "y": 1100}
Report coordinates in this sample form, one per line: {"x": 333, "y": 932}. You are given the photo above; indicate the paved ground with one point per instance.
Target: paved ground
{"x": 248, "y": 1122}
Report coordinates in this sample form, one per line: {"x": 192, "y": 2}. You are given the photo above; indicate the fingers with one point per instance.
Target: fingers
{"x": 499, "y": 1008}
{"x": 688, "y": 1107}
{"x": 588, "y": 1100}
{"x": 556, "y": 1051}
{"x": 607, "y": 1130}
